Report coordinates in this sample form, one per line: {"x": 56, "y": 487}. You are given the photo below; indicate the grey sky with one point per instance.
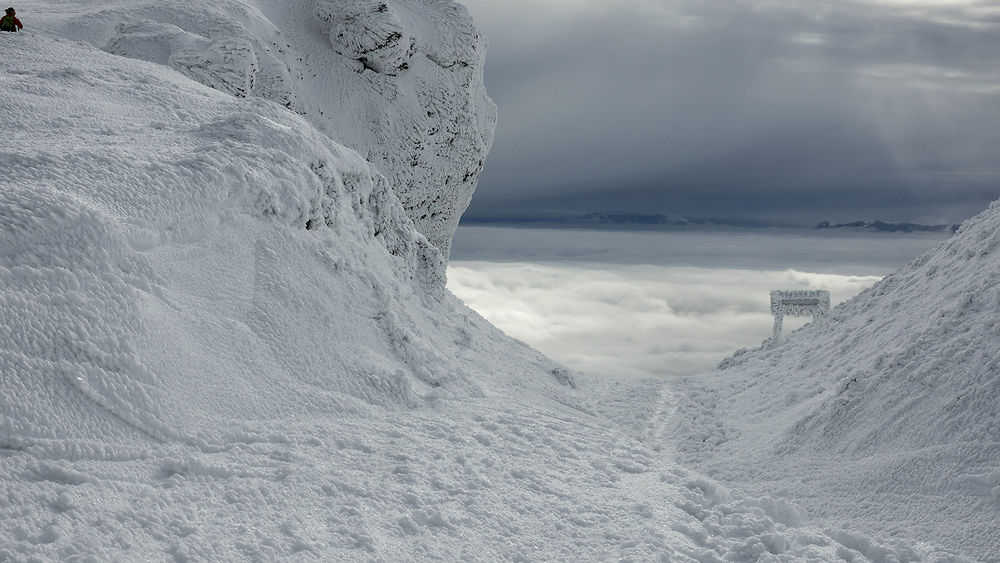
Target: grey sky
{"x": 814, "y": 109}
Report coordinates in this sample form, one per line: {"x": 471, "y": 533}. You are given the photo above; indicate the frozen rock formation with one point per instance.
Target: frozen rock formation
{"x": 430, "y": 120}
{"x": 369, "y": 32}
{"x": 400, "y": 81}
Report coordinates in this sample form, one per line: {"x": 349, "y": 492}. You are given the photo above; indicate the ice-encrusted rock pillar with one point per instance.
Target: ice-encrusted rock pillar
{"x": 427, "y": 122}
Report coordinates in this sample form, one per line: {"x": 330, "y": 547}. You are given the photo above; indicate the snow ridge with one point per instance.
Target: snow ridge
{"x": 127, "y": 263}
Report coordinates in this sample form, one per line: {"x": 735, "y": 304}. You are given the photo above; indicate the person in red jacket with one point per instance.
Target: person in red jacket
{"x": 10, "y": 22}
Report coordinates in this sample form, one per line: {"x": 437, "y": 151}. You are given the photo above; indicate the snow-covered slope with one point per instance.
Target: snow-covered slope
{"x": 886, "y": 419}
{"x": 182, "y": 187}
{"x": 224, "y": 332}
{"x": 167, "y": 243}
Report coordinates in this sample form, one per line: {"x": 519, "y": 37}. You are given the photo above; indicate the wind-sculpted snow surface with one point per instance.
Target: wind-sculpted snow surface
{"x": 228, "y": 64}
{"x": 892, "y": 408}
{"x": 164, "y": 246}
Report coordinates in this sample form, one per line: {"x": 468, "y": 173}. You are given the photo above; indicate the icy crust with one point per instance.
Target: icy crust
{"x": 896, "y": 401}
{"x": 399, "y": 81}
{"x": 59, "y": 368}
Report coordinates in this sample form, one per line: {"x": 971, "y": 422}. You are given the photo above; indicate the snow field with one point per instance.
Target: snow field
{"x": 475, "y": 480}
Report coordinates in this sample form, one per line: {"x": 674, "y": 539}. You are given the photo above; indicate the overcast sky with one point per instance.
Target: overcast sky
{"x": 804, "y": 109}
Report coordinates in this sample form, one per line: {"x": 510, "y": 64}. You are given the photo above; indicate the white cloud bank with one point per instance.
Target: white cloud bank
{"x": 634, "y": 320}
{"x": 627, "y": 303}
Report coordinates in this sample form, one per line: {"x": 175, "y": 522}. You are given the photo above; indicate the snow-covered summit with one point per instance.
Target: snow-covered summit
{"x": 164, "y": 245}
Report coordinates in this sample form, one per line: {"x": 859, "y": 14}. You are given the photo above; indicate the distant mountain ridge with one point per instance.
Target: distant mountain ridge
{"x": 883, "y": 227}
{"x": 675, "y": 220}
{"x": 644, "y": 219}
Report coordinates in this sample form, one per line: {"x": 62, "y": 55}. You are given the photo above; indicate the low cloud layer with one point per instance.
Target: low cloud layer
{"x": 634, "y": 321}
{"x": 832, "y": 109}
{"x": 657, "y": 304}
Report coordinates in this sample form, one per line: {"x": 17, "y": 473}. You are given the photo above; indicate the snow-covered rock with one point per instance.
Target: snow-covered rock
{"x": 424, "y": 117}
{"x": 399, "y": 81}
{"x": 369, "y": 32}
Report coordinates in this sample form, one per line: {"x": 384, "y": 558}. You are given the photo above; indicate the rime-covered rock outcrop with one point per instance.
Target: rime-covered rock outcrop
{"x": 399, "y": 81}
{"x": 369, "y": 32}
{"x": 431, "y": 121}
{"x": 228, "y": 64}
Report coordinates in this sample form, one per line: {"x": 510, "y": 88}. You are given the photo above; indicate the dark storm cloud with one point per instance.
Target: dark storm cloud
{"x": 822, "y": 109}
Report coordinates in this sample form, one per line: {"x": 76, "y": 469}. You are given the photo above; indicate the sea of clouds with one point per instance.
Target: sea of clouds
{"x": 657, "y": 303}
